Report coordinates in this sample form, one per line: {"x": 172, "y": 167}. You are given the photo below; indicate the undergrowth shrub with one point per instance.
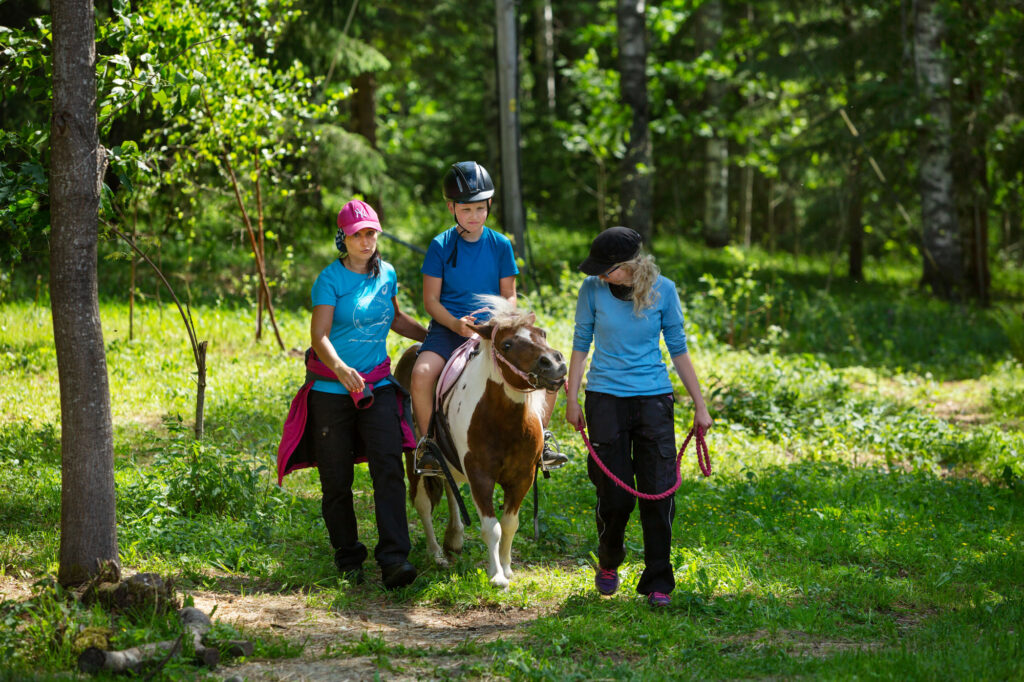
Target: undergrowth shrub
{"x": 201, "y": 477}
{"x": 1012, "y": 324}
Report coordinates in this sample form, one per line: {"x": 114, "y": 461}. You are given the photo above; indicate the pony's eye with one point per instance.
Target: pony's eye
{"x": 506, "y": 345}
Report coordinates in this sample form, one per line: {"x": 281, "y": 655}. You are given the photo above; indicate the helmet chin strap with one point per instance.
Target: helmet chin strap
{"x": 454, "y": 257}
{"x": 463, "y": 230}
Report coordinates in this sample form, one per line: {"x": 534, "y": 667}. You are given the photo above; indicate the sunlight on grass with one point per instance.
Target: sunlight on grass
{"x": 863, "y": 517}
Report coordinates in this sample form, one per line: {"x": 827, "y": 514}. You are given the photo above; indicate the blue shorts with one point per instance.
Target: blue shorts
{"x": 441, "y": 340}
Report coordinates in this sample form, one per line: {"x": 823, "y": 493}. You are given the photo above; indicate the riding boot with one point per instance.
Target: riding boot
{"x": 551, "y": 458}
{"x": 427, "y": 462}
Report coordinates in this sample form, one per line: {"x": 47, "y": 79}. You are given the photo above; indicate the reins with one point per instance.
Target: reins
{"x": 703, "y": 460}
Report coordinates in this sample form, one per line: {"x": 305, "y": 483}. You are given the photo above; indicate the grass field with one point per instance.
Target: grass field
{"x": 865, "y": 519}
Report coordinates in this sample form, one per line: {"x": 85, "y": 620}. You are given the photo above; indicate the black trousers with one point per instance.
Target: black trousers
{"x": 340, "y": 432}
{"x": 635, "y": 438}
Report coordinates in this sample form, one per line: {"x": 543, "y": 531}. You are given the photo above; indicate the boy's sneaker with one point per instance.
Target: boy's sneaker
{"x": 658, "y": 599}
{"x": 551, "y": 458}
{"x": 426, "y": 458}
{"x": 606, "y": 581}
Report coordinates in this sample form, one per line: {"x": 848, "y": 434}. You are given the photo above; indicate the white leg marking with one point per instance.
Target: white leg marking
{"x": 491, "y": 531}
{"x": 422, "y": 504}
{"x": 509, "y": 526}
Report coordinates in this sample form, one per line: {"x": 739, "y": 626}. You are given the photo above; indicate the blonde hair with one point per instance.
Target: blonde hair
{"x": 503, "y": 312}
{"x": 645, "y": 274}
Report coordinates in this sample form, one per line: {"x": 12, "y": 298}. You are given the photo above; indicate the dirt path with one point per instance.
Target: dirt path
{"x": 324, "y": 630}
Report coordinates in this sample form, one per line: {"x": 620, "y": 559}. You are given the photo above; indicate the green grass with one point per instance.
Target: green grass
{"x": 864, "y": 519}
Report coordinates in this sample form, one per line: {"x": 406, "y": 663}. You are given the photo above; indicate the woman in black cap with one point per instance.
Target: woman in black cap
{"x": 624, "y": 307}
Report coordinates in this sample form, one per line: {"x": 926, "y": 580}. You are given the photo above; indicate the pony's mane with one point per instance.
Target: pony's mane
{"x": 503, "y": 312}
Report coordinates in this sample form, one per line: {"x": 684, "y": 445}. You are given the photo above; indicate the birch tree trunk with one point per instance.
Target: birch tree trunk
{"x": 637, "y": 190}
{"x": 941, "y": 248}
{"x": 88, "y": 528}
{"x": 544, "y": 42}
{"x": 716, "y": 163}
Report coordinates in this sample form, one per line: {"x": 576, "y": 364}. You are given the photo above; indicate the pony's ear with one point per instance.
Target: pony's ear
{"x": 531, "y": 320}
{"x": 484, "y": 330}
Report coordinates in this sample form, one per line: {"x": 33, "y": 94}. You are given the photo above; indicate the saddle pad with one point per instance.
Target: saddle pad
{"x": 453, "y": 368}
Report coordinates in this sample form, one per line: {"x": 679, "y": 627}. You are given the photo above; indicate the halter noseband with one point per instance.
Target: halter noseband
{"x": 530, "y": 379}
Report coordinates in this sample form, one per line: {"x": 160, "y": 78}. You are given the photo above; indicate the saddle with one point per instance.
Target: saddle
{"x": 440, "y": 432}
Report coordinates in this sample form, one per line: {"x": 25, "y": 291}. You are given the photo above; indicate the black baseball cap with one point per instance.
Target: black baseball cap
{"x": 613, "y": 246}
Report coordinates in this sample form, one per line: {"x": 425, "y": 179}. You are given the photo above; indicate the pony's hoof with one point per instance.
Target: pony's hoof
{"x": 500, "y": 581}
{"x": 441, "y": 561}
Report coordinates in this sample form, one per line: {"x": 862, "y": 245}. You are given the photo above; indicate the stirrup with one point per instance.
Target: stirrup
{"x": 557, "y": 458}
{"x": 426, "y": 450}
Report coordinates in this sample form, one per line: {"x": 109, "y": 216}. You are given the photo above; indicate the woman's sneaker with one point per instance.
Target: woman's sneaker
{"x": 606, "y": 581}
{"x": 658, "y": 599}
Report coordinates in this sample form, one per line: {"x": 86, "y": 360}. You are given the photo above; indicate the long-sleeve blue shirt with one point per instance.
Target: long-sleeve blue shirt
{"x": 627, "y": 354}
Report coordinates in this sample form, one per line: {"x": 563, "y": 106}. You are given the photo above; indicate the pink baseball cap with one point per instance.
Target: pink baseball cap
{"x": 357, "y": 215}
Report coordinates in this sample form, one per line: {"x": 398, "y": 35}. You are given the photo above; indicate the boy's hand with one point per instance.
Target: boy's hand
{"x": 464, "y": 328}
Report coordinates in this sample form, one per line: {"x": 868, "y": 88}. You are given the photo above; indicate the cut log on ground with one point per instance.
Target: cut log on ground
{"x": 196, "y": 625}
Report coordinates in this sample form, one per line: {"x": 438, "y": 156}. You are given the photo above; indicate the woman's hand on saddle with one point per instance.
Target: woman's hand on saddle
{"x": 350, "y": 378}
{"x": 574, "y": 415}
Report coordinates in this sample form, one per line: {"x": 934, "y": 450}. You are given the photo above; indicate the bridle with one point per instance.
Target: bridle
{"x": 530, "y": 378}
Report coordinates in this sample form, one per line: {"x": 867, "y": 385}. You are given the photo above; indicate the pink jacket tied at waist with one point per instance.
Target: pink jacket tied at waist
{"x": 295, "y": 424}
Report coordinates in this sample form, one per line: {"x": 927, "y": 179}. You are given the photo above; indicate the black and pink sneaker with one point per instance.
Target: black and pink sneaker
{"x": 606, "y": 580}
{"x": 658, "y": 599}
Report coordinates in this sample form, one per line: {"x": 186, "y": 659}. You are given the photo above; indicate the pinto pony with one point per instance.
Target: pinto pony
{"x": 494, "y": 412}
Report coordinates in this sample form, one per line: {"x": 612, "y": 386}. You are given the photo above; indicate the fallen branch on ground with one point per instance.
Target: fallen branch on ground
{"x": 196, "y": 625}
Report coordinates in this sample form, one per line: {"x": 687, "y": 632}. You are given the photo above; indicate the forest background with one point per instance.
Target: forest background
{"x": 835, "y": 186}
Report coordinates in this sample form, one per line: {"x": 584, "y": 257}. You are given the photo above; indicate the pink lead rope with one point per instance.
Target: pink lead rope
{"x": 703, "y": 460}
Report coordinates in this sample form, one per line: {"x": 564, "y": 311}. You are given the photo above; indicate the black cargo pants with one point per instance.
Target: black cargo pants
{"x": 635, "y": 438}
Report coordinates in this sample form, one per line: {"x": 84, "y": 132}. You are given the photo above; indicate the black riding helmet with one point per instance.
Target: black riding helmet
{"x": 466, "y": 182}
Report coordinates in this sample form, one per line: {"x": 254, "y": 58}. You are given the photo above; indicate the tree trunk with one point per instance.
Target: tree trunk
{"x": 506, "y": 43}
{"x": 971, "y": 176}
{"x": 544, "y": 48}
{"x": 855, "y": 220}
{"x": 747, "y": 176}
{"x": 88, "y": 527}
{"x": 716, "y": 163}
{"x": 636, "y": 192}
{"x": 940, "y": 239}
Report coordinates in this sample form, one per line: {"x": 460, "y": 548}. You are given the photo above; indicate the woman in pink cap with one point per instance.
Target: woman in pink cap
{"x": 354, "y": 412}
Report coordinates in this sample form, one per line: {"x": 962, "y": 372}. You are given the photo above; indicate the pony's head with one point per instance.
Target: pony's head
{"x": 522, "y": 345}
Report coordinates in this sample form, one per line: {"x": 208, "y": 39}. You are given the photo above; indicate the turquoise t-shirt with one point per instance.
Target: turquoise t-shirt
{"x": 627, "y": 353}
{"x": 468, "y": 269}
{"x": 363, "y": 312}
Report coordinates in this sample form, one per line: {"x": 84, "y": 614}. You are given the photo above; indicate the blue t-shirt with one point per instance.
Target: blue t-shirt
{"x": 478, "y": 268}
{"x": 627, "y": 355}
{"x": 363, "y": 312}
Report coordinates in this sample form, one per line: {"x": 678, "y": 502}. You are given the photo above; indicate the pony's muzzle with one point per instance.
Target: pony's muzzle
{"x": 550, "y": 370}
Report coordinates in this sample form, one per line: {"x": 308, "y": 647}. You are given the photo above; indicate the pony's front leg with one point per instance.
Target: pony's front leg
{"x": 482, "y": 487}
{"x": 455, "y": 533}
{"x": 424, "y": 507}
{"x": 509, "y": 526}
{"x": 491, "y": 531}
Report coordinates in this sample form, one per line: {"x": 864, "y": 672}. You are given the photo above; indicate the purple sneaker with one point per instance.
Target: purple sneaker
{"x": 658, "y": 599}
{"x": 606, "y": 581}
